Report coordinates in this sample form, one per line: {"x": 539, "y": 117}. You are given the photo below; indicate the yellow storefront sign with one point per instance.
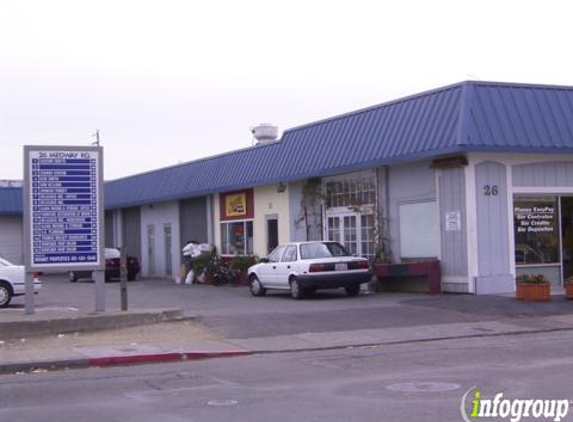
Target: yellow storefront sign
{"x": 236, "y": 204}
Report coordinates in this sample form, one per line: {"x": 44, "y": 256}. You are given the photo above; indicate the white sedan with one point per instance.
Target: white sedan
{"x": 12, "y": 282}
{"x": 306, "y": 267}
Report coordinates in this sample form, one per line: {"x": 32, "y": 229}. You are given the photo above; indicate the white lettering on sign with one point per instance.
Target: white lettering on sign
{"x": 535, "y": 219}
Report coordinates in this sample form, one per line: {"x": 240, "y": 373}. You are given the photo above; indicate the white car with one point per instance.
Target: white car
{"x": 12, "y": 282}
{"x": 305, "y": 267}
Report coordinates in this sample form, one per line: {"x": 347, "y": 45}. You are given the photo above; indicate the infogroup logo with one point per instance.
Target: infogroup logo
{"x": 474, "y": 407}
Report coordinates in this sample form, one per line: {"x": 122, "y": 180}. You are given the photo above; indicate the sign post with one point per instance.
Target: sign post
{"x": 63, "y": 214}
{"x": 123, "y": 277}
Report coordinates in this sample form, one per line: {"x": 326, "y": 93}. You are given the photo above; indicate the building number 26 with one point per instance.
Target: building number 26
{"x": 492, "y": 190}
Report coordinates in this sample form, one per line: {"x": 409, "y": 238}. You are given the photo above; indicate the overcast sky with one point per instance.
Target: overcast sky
{"x": 172, "y": 81}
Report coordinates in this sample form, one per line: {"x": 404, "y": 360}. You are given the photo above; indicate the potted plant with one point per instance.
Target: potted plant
{"x": 569, "y": 288}
{"x": 533, "y": 288}
{"x": 206, "y": 263}
{"x": 239, "y": 266}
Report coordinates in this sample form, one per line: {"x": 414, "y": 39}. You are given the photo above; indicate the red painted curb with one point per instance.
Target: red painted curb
{"x": 163, "y": 357}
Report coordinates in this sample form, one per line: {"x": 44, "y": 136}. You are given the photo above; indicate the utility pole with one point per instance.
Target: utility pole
{"x": 96, "y": 134}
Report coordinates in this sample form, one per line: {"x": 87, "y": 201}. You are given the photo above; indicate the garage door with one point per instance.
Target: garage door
{"x": 132, "y": 231}
{"x": 11, "y": 239}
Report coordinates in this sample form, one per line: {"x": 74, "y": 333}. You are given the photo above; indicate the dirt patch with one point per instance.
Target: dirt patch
{"x": 170, "y": 333}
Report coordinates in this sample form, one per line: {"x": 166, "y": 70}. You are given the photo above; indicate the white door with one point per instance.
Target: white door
{"x": 168, "y": 241}
{"x": 355, "y": 231}
{"x": 151, "y": 249}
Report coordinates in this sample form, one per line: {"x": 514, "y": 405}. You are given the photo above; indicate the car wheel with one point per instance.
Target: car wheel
{"x": 131, "y": 277}
{"x": 352, "y": 290}
{"x": 256, "y": 287}
{"x": 295, "y": 289}
{"x": 5, "y": 295}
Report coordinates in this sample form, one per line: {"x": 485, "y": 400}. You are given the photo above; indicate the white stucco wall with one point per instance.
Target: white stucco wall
{"x": 268, "y": 203}
{"x": 158, "y": 215}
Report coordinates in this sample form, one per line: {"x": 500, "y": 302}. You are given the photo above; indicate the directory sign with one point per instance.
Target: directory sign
{"x": 63, "y": 207}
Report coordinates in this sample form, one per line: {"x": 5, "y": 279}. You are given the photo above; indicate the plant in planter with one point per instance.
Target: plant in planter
{"x": 533, "y": 288}
{"x": 206, "y": 263}
{"x": 239, "y": 266}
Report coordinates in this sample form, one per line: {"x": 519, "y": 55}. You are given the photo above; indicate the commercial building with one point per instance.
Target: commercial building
{"x": 478, "y": 175}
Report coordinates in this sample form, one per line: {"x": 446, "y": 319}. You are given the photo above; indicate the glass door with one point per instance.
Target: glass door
{"x": 333, "y": 229}
{"x": 350, "y": 234}
{"x": 353, "y": 230}
{"x": 567, "y": 237}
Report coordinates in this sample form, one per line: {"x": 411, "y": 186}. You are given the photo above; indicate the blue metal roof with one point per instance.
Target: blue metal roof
{"x": 361, "y": 139}
{"x": 524, "y": 118}
{"x": 423, "y": 125}
{"x": 235, "y": 170}
{"x": 11, "y": 201}
{"x": 465, "y": 117}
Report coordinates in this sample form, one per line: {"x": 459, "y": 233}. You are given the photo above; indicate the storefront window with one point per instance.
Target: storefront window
{"x": 536, "y": 231}
{"x": 237, "y": 238}
{"x": 351, "y": 192}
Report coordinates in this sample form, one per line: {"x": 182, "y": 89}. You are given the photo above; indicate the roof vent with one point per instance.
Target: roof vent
{"x": 265, "y": 133}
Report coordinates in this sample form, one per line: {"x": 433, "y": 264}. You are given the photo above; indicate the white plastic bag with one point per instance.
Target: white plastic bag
{"x": 201, "y": 278}
{"x": 189, "y": 278}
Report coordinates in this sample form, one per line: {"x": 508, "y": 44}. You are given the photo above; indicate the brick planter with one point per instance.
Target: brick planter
{"x": 430, "y": 270}
{"x": 533, "y": 292}
{"x": 569, "y": 290}
{"x": 242, "y": 278}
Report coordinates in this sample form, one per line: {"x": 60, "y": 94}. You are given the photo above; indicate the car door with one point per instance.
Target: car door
{"x": 267, "y": 271}
{"x": 284, "y": 267}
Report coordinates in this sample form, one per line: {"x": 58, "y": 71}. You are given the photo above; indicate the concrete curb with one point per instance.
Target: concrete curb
{"x": 109, "y": 361}
{"x": 35, "y": 326}
{"x": 12, "y": 368}
{"x": 410, "y": 341}
{"x": 164, "y": 357}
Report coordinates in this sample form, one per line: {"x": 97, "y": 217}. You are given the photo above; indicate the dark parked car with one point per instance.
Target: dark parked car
{"x": 111, "y": 267}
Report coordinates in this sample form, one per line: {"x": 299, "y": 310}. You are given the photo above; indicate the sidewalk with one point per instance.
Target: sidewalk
{"x": 183, "y": 339}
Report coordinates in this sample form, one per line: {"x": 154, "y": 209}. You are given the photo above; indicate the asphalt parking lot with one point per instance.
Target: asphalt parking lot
{"x": 233, "y": 313}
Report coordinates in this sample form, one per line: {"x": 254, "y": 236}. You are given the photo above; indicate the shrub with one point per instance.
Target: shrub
{"x": 531, "y": 278}
{"x": 241, "y": 263}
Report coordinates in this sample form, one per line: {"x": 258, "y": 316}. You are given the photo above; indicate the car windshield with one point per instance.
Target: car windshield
{"x": 4, "y": 263}
{"x": 322, "y": 250}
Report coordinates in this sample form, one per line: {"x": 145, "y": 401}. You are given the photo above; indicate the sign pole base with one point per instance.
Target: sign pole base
{"x": 99, "y": 278}
{"x": 29, "y": 293}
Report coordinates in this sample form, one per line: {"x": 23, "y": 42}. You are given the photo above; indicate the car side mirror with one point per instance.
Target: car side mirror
{"x": 264, "y": 260}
